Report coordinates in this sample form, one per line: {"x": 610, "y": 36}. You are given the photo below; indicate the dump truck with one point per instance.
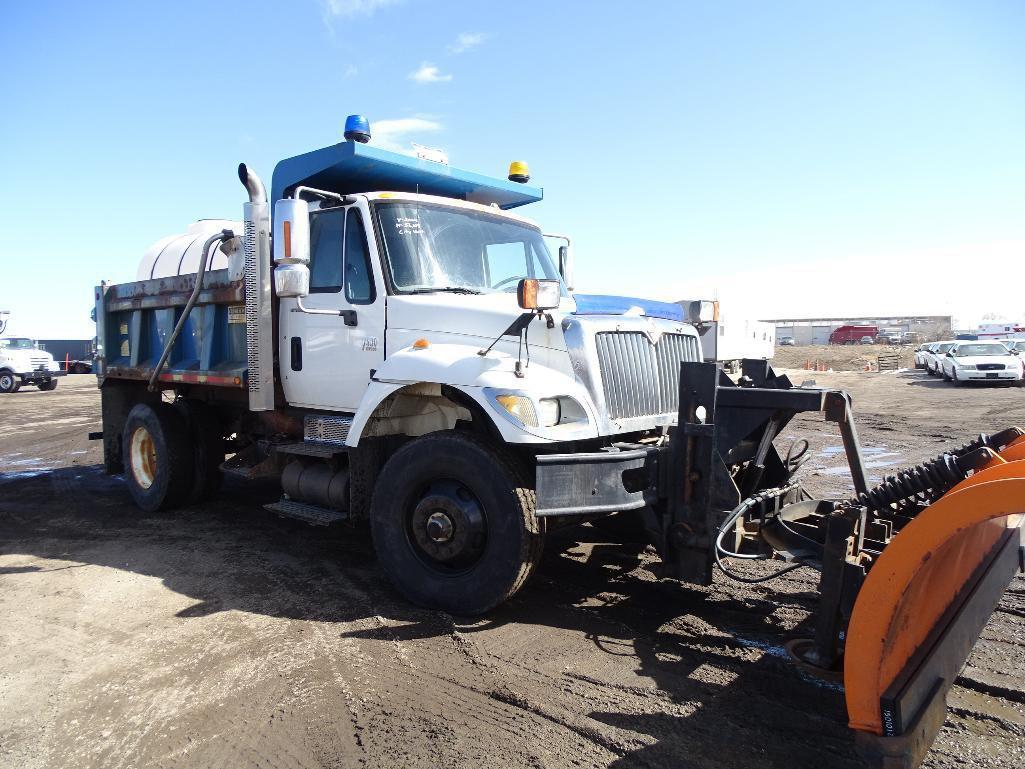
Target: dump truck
{"x": 397, "y": 347}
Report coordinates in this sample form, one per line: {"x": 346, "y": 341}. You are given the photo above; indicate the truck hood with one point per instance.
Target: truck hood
{"x": 26, "y": 360}
{"x": 472, "y": 319}
{"x": 482, "y": 318}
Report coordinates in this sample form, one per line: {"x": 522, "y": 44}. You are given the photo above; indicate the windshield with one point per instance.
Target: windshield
{"x": 976, "y": 350}
{"x": 434, "y": 248}
{"x": 944, "y": 347}
{"x": 18, "y": 343}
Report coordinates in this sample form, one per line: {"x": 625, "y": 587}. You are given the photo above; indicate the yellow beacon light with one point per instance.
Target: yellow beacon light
{"x": 519, "y": 172}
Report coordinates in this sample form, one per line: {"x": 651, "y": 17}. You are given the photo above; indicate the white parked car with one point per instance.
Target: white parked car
{"x": 980, "y": 361}
{"x": 934, "y": 354}
{"x": 920, "y": 354}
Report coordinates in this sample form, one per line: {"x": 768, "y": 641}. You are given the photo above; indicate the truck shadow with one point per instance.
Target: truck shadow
{"x": 709, "y": 683}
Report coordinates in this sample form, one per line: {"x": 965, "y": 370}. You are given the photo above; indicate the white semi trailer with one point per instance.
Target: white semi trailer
{"x": 729, "y": 340}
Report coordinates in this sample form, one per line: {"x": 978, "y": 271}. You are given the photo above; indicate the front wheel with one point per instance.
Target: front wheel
{"x": 453, "y": 523}
{"x": 945, "y": 377}
{"x": 8, "y": 382}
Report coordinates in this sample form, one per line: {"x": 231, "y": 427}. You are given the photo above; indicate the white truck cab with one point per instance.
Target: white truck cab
{"x": 23, "y": 363}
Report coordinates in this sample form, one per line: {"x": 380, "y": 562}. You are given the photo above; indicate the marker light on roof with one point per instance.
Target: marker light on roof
{"x": 357, "y": 129}
{"x": 519, "y": 172}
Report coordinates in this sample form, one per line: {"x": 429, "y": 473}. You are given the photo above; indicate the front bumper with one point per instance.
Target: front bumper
{"x": 39, "y": 375}
{"x": 623, "y": 478}
{"x": 988, "y": 376}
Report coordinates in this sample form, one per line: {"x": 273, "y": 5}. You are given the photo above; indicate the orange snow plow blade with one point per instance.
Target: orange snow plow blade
{"x": 910, "y": 569}
{"x": 924, "y": 603}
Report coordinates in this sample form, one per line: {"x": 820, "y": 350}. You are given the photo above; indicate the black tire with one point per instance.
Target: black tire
{"x": 8, "y": 382}
{"x": 207, "y": 440}
{"x": 957, "y": 382}
{"x": 945, "y": 377}
{"x": 158, "y": 468}
{"x": 464, "y": 480}
{"x": 48, "y": 385}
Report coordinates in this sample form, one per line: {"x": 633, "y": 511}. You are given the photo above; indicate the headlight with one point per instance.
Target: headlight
{"x": 544, "y": 412}
{"x": 520, "y": 407}
{"x": 550, "y": 411}
{"x": 965, "y": 366}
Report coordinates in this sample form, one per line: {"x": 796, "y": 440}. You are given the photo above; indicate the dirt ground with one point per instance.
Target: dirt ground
{"x": 842, "y": 357}
{"x": 222, "y": 636}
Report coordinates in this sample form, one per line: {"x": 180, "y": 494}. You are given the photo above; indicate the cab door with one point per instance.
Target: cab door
{"x": 326, "y": 359}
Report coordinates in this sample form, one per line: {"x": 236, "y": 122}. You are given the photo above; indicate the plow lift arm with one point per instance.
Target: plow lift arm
{"x": 910, "y": 570}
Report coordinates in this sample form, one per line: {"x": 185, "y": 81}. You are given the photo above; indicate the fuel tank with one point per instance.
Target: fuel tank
{"x": 179, "y": 254}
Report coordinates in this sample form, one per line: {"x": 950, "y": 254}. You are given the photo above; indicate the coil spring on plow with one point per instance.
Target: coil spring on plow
{"x": 923, "y": 484}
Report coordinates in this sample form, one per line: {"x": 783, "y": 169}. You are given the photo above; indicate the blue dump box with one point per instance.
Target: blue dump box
{"x": 135, "y": 320}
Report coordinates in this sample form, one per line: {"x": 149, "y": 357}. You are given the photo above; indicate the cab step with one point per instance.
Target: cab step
{"x": 311, "y": 514}
{"x": 310, "y": 449}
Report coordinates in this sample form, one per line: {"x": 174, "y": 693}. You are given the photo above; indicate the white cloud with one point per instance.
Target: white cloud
{"x": 428, "y": 73}
{"x": 466, "y": 41}
{"x": 351, "y": 8}
{"x": 397, "y": 135}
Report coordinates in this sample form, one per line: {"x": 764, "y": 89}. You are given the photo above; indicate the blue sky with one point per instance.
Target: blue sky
{"x": 794, "y": 158}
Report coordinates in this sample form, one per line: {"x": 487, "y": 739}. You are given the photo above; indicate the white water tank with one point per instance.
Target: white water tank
{"x": 179, "y": 254}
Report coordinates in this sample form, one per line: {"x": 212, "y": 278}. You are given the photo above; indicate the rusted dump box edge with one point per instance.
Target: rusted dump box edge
{"x": 174, "y": 291}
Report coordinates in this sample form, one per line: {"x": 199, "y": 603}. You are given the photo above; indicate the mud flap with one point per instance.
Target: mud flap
{"x": 922, "y": 607}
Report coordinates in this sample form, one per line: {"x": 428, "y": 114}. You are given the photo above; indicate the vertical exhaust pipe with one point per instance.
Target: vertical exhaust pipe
{"x": 253, "y": 183}
{"x": 259, "y": 320}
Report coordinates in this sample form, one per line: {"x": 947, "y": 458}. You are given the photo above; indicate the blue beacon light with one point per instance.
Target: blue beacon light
{"x": 357, "y": 129}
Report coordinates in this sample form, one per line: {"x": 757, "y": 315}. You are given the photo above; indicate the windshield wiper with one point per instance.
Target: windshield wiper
{"x": 449, "y": 289}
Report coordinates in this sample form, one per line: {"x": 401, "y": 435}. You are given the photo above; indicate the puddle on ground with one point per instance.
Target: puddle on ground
{"x": 779, "y": 651}
{"x": 24, "y": 474}
{"x": 34, "y": 462}
{"x": 873, "y": 456}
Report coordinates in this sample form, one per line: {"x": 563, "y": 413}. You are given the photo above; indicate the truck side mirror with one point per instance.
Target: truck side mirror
{"x": 566, "y": 266}
{"x": 291, "y": 248}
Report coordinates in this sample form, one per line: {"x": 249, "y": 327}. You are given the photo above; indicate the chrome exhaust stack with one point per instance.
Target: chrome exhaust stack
{"x": 259, "y": 319}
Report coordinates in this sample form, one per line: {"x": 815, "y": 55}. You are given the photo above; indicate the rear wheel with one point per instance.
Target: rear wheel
{"x": 8, "y": 382}
{"x": 49, "y": 384}
{"x": 453, "y": 523}
{"x": 158, "y": 456}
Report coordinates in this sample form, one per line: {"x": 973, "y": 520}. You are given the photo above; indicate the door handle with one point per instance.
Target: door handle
{"x": 349, "y": 316}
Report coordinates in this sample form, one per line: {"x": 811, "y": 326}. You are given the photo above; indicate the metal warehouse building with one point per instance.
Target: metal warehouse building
{"x": 817, "y": 330}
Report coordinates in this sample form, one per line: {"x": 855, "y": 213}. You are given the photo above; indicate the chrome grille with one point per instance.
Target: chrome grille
{"x": 639, "y": 378}
{"x": 38, "y": 361}
{"x": 991, "y": 367}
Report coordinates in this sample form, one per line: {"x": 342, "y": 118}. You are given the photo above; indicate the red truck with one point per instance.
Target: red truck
{"x": 852, "y": 334}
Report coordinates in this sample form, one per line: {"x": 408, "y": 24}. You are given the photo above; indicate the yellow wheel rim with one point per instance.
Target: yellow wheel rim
{"x": 142, "y": 454}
